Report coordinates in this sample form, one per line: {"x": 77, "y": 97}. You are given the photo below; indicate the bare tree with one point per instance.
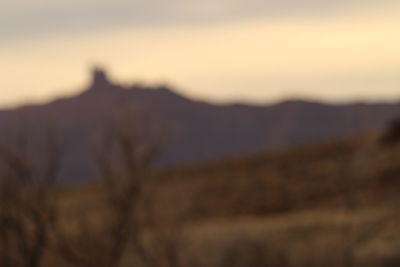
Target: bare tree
{"x": 124, "y": 155}
{"x": 29, "y": 168}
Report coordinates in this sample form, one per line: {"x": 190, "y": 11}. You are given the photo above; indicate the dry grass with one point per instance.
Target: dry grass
{"x": 308, "y": 238}
{"x": 328, "y": 204}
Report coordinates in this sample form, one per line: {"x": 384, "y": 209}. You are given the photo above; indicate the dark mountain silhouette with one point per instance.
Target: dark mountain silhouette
{"x": 195, "y": 131}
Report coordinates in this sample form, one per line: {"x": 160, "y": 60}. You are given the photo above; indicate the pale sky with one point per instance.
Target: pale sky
{"x": 258, "y": 51}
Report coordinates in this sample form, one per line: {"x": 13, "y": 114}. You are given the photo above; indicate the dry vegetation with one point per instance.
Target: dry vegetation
{"x": 328, "y": 204}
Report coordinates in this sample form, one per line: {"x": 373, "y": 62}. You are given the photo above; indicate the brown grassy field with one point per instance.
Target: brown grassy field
{"x": 333, "y": 203}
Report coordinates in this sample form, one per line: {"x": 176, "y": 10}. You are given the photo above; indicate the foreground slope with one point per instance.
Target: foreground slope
{"x": 324, "y": 204}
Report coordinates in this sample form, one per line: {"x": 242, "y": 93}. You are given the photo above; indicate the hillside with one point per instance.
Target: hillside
{"x": 194, "y": 131}
{"x": 325, "y": 204}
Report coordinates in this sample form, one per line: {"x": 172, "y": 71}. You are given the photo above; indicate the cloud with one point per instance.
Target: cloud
{"x": 29, "y": 18}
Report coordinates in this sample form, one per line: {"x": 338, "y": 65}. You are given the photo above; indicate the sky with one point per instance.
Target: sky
{"x": 256, "y": 51}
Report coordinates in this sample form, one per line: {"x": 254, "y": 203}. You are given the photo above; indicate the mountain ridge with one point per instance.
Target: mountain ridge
{"x": 197, "y": 130}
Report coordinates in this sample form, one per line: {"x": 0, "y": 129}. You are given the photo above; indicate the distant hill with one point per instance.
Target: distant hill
{"x": 196, "y": 131}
